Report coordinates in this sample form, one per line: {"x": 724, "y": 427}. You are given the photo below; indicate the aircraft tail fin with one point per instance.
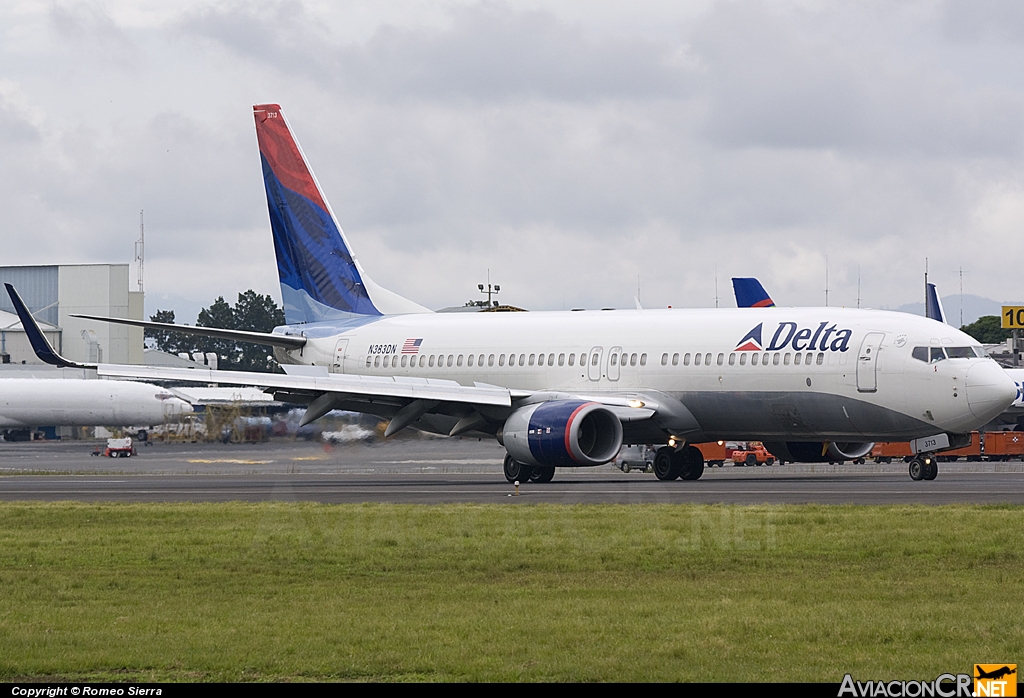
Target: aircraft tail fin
{"x": 320, "y": 276}
{"x": 750, "y": 293}
{"x": 933, "y": 306}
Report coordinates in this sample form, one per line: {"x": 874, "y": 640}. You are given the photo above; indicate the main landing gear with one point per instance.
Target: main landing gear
{"x": 686, "y": 464}
{"x": 923, "y": 468}
{"x": 521, "y": 472}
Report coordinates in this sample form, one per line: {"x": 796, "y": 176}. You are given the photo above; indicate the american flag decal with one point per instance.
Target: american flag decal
{"x": 412, "y": 346}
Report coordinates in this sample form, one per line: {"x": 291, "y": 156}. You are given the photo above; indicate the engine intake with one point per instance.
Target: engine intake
{"x": 819, "y": 451}
{"x": 562, "y": 432}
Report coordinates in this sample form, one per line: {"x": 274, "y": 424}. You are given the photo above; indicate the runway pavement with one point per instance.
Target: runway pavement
{"x": 430, "y": 471}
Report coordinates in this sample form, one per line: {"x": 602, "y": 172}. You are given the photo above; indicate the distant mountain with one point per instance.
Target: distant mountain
{"x": 974, "y": 308}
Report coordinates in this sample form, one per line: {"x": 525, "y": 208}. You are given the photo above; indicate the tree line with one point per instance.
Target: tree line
{"x": 252, "y": 312}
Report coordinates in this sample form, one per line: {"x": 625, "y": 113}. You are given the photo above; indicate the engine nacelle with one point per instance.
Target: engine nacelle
{"x": 562, "y": 432}
{"x": 819, "y": 451}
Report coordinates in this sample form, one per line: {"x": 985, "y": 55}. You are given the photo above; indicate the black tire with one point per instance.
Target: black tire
{"x": 514, "y": 470}
{"x": 770, "y": 462}
{"x": 931, "y": 469}
{"x": 543, "y": 474}
{"x": 692, "y": 462}
{"x": 916, "y": 469}
{"x": 666, "y": 466}
{"x": 751, "y": 460}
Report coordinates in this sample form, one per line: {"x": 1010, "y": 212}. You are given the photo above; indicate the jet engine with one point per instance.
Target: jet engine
{"x": 819, "y": 451}
{"x": 562, "y": 432}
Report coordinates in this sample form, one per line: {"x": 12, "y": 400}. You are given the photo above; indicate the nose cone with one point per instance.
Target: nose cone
{"x": 178, "y": 406}
{"x": 989, "y": 390}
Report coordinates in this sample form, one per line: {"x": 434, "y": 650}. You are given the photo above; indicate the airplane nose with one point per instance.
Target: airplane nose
{"x": 989, "y": 390}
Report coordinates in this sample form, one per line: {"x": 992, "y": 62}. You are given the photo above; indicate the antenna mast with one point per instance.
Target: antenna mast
{"x": 140, "y": 249}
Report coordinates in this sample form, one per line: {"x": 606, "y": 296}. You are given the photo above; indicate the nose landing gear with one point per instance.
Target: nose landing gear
{"x": 923, "y": 468}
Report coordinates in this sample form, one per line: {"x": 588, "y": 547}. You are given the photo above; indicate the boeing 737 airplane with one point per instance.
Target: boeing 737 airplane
{"x": 38, "y": 402}
{"x": 569, "y": 388}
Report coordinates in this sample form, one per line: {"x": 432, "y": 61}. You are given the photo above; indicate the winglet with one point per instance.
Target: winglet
{"x": 40, "y": 346}
{"x": 750, "y": 293}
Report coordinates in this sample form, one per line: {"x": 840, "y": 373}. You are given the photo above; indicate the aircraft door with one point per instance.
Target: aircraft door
{"x": 594, "y": 367}
{"x": 338, "y": 362}
{"x": 614, "y": 359}
{"x": 867, "y": 362}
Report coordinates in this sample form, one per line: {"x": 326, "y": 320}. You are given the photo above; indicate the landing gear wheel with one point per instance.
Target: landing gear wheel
{"x": 543, "y": 474}
{"x": 692, "y": 462}
{"x": 666, "y": 466}
{"x": 916, "y": 469}
{"x": 931, "y": 469}
{"x": 514, "y": 470}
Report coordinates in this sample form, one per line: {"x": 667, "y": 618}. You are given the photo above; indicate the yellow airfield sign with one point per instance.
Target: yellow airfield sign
{"x": 1013, "y": 317}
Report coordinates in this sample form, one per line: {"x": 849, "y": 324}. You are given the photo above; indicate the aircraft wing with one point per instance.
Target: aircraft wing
{"x": 403, "y": 399}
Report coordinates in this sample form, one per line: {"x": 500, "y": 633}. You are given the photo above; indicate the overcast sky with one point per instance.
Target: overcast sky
{"x": 570, "y": 148}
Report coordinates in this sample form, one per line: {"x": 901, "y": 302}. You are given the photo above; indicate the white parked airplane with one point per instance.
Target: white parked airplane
{"x": 569, "y": 388}
{"x": 38, "y": 402}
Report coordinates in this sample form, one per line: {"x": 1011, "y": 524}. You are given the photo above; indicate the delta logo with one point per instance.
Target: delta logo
{"x": 823, "y": 338}
{"x": 995, "y": 680}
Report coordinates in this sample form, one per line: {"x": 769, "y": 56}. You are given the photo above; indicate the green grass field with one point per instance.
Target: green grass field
{"x": 568, "y": 593}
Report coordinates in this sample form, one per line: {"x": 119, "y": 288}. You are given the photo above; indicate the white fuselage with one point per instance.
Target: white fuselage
{"x": 809, "y": 373}
{"x": 38, "y": 402}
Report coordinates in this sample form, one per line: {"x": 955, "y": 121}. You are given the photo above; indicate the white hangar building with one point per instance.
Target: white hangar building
{"x": 53, "y": 292}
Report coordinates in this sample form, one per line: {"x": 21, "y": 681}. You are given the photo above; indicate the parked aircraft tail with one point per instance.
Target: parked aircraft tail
{"x": 750, "y": 293}
{"x": 320, "y": 276}
{"x": 933, "y": 306}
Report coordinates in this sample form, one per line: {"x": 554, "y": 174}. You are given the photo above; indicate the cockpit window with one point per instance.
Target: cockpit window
{"x": 920, "y": 353}
{"x": 938, "y": 354}
{"x": 960, "y": 352}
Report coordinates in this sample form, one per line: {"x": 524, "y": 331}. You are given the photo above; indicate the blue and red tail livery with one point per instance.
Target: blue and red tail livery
{"x": 750, "y": 293}
{"x": 320, "y": 279}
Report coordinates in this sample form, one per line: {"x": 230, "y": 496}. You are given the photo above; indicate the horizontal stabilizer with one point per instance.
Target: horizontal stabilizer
{"x": 266, "y": 338}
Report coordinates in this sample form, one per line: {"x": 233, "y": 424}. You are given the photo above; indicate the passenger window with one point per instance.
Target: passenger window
{"x": 664, "y": 359}
{"x": 696, "y": 359}
{"x": 532, "y": 357}
{"x": 753, "y": 359}
{"x": 490, "y": 359}
{"x": 423, "y": 360}
{"x": 643, "y": 359}
{"x": 457, "y": 363}
{"x": 821, "y": 359}
{"x": 785, "y": 361}
{"x": 369, "y": 360}
{"x": 551, "y": 359}
{"x": 469, "y": 360}
{"x": 796, "y": 359}
{"x": 583, "y": 360}
{"x": 614, "y": 359}
{"x": 522, "y": 359}
{"x": 376, "y": 362}
{"x": 561, "y": 359}
{"x": 721, "y": 359}
{"x": 431, "y": 362}
{"x": 572, "y": 358}
{"x": 938, "y": 354}
{"x": 594, "y": 358}
{"x": 405, "y": 359}
{"x": 632, "y": 360}
{"x": 686, "y": 359}
{"x": 707, "y": 359}
{"x": 732, "y": 359}
{"x": 775, "y": 359}
{"x": 743, "y": 359}
{"x": 675, "y": 359}
{"x": 511, "y": 359}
